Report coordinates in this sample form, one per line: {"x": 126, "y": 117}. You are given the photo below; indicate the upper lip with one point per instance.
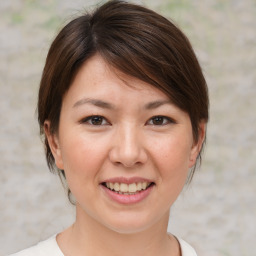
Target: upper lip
{"x": 126, "y": 180}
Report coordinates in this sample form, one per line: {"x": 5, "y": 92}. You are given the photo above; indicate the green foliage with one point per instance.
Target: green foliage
{"x": 52, "y": 23}
{"x": 17, "y": 18}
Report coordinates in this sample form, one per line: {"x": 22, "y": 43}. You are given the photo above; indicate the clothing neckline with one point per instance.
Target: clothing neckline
{"x": 185, "y": 248}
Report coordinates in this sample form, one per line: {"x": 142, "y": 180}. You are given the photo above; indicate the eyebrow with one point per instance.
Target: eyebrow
{"x": 95, "y": 102}
{"x": 156, "y": 104}
{"x": 104, "y": 104}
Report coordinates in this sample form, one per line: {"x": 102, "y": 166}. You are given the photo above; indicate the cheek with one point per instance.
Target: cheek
{"x": 82, "y": 156}
{"x": 171, "y": 160}
{"x": 171, "y": 156}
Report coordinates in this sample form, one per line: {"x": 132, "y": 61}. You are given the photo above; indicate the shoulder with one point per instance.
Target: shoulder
{"x": 186, "y": 249}
{"x": 48, "y": 247}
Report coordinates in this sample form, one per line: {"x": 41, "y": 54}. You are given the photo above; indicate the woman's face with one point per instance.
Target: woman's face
{"x": 125, "y": 148}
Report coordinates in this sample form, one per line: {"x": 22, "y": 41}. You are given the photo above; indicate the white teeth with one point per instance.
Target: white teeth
{"x": 123, "y": 187}
{"x": 132, "y": 188}
{"x": 127, "y": 189}
{"x": 116, "y": 186}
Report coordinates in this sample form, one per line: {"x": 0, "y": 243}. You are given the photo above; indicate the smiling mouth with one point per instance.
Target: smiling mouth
{"x": 127, "y": 189}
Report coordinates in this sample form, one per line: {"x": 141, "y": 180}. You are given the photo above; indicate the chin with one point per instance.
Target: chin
{"x": 132, "y": 224}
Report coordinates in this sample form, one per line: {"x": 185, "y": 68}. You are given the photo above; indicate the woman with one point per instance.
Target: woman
{"x": 122, "y": 108}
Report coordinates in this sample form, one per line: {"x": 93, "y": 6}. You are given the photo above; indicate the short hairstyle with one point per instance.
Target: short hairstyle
{"x": 138, "y": 42}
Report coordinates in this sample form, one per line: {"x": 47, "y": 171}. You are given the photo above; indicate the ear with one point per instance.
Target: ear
{"x": 197, "y": 145}
{"x": 53, "y": 142}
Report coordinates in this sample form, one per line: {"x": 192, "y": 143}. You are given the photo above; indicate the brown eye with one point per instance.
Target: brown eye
{"x": 159, "y": 120}
{"x": 95, "y": 120}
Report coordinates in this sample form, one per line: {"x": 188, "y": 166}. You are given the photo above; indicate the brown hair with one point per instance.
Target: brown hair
{"x": 136, "y": 41}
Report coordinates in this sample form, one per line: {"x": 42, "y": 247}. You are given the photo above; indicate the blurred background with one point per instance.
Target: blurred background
{"x": 217, "y": 212}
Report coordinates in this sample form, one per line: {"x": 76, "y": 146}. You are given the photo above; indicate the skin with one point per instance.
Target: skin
{"x": 127, "y": 140}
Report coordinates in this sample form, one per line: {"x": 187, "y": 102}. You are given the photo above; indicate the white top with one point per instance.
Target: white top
{"x": 50, "y": 247}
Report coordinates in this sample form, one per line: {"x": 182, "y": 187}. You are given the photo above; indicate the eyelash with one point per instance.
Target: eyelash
{"x": 103, "y": 121}
{"x": 90, "y": 119}
{"x": 166, "y": 120}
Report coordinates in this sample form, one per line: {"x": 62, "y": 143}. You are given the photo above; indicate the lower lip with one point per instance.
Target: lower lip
{"x": 128, "y": 199}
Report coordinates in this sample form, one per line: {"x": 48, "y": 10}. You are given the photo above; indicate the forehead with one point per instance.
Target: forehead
{"x": 98, "y": 79}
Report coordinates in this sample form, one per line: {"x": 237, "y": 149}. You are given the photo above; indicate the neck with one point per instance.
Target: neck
{"x": 88, "y": 237}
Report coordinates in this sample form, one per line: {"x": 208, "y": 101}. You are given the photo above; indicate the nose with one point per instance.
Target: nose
{"x": 127, "y": 148}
